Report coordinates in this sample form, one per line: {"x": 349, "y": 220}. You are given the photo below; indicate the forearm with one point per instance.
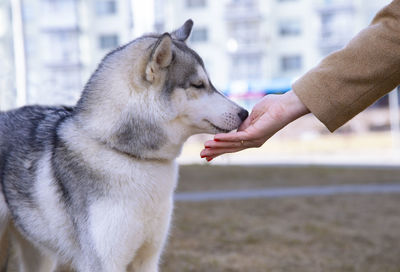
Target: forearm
{"x": 348, "y": 81}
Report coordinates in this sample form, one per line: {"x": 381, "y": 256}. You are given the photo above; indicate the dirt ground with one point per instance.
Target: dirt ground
{"x": 327, "y": 233}
{"x": 222, "y": 177}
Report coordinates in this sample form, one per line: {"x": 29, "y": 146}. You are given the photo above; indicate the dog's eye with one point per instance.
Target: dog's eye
{"x": 199, "y": 85}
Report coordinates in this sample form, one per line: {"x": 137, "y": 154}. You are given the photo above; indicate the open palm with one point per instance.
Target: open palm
{"x": 268, "y": 116}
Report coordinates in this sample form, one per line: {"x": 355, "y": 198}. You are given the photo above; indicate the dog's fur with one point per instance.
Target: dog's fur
{"x": 91, "y": 186}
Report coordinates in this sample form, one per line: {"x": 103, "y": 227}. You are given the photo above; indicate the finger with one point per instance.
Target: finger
{"x": 213, "y": 152}
{"x": 225, "y": 145}
{"x": 209, "y": 143}
{"x": 231, "y": 137}
{"x": 210, "y": 158}
{"x": 214, "y": 144}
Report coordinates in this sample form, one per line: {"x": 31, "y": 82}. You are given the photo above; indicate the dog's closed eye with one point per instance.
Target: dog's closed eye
{"x": 199, "y": 85}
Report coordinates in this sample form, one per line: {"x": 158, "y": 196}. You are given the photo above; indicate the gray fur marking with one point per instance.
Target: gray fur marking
{"x": 138, "y": 135}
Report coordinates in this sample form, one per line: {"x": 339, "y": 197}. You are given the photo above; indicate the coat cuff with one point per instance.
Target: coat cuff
{"x": 319, "y": 105}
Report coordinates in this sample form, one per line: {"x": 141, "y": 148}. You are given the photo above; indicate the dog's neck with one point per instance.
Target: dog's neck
{"x": 172, "y": 147}
{"x": 136, "y": 137}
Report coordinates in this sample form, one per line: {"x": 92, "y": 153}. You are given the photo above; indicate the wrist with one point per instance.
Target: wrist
{"x": 294, "y": 105}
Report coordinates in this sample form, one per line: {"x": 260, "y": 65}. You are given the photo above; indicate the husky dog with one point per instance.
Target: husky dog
{"x": 90, "y": 187}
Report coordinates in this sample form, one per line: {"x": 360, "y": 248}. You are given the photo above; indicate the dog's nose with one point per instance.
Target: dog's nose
{"x": 243, "y": 114}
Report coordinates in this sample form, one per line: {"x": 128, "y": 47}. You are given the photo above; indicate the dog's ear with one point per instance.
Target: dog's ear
{"x": 160, "y": 57}
{"x": 183, "y": 33}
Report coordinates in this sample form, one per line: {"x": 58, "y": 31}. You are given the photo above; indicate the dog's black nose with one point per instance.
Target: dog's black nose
{"x": 243, "y": 114}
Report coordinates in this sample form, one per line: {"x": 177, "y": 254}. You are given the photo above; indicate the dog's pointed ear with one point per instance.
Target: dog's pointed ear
{"x": 183, "y": 33}
{"x": 160, "y": 57}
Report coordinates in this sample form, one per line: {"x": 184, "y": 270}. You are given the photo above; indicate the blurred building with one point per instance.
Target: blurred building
{"x": 65, "y": 39}
{"x": 341, "y": 19}
{"x": 264, "y": 45}
{"x": 104, "y": 25}
{"x": 64, "y": 42}
{"x": 52, "y": 51}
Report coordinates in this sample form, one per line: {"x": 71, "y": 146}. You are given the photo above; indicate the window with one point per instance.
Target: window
{"x": 291, "y": 63}
{"x": 246, "y": 67}
{"x": 290, "y": 28}
{"x": 56, "y": 7}
{"x": 28, "y": 11}
{"x": 108, "y": 41}
{"x": 245, "y": 32}
{"x": 199, "y": 35}
{"x": 195, "y": 3}
{"x": 244, "y": 2}
{"x": 66, "y": 79}
{"x": 106, "y": 7}
{"x": 61, "y": 46}
{"x": 327, "y": 25}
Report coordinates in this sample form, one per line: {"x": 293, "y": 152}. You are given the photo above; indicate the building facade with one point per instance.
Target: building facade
{"x": 66, "y": 39}
{"x": 52, "y": 51}
{"x": 247, "y": 45}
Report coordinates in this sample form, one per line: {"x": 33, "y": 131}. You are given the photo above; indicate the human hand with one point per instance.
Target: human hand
{"x": 268, "y": 116}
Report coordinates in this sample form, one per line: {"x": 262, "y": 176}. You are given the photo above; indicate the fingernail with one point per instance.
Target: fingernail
{"x": 207, "y": 146}
{"x": 202, "y": 156}
{"x": 217, "y": 140}
{"x": 209, "y": 159}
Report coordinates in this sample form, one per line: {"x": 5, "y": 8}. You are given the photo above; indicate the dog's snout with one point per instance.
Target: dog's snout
{"x": 243, "y": 114}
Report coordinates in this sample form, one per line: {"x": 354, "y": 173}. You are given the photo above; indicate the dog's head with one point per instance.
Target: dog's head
{"x": 158, "y": 87}
{"x": 178, "y": 74}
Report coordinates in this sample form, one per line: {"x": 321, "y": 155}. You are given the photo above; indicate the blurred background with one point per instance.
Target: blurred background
{"x": 251, "y": 48}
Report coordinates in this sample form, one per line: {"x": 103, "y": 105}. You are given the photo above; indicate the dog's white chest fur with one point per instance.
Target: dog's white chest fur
{"x": 135, "y": 215}
{"x": 126, "y": 224}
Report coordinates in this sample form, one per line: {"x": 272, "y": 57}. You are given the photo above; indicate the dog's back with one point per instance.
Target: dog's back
{"x": 24, "y": 133}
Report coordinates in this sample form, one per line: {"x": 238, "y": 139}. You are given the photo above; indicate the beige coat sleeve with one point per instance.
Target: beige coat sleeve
{"x": 348, "y": 81}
